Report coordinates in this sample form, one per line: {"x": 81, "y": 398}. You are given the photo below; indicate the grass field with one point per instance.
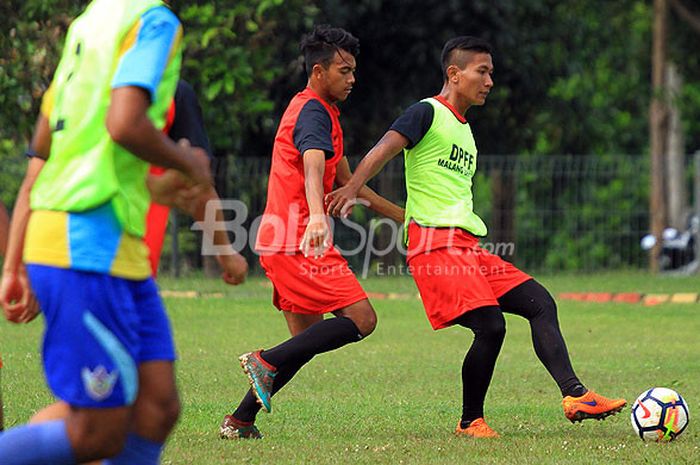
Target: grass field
{"x": 395, "y": 398}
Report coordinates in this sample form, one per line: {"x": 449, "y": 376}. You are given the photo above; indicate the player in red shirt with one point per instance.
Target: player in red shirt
{"x": 309, "y": 275}
{"x": 185, "y": 122}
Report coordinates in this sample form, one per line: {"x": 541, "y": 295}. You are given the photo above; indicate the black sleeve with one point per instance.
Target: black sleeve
{"x": 313, "y": 129}
{"x": 188, "y": 122}
{"x": 414, "y": 122}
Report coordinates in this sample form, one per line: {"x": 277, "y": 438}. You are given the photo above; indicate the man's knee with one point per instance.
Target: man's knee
{"x": 530, "y": 300}
{"x": 157, "y": 406}
{"x": 369, "y": 323}
{"x": 171, "y": 411}
{"x": 487, "y": 323}
{"x": 494, "y": 328}
{"x": 541, "y": 306}
{"x": 363, "y": 315}
{"x": 159, "y": 413}
{"x": 97, "y": 434}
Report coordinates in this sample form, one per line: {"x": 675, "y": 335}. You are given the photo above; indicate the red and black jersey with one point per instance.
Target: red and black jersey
{"x": 308, "y": 123}
{"x": 183, "y": 121}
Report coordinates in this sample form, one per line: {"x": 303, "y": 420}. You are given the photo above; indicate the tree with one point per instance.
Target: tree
{"x": 30, "y": 45}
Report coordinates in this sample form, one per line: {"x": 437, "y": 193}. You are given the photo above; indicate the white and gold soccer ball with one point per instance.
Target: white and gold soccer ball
{"x": 659, "y": 414}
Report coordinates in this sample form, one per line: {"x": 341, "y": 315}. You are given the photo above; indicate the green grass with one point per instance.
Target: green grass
{"x": 395, "y": 398}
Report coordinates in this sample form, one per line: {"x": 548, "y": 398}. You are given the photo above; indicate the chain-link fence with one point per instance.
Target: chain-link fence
{"x": 545, "y": 213}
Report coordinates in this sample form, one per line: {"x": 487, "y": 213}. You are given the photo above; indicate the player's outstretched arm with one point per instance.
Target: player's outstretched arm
{"x": 340, "y": 200}
{"x": 172, "y": 189}
{"x": 129, "y": 126}
{"x": 371, "y": 199}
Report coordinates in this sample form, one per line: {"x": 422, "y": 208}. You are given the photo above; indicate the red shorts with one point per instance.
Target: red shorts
{"x": 454, "y": 280}
{"x": 310, "y": 285}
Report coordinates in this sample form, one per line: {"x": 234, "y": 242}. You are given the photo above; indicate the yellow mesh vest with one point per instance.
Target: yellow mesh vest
{"x": 86, "y": 168}
{"x": 439, "y": 171}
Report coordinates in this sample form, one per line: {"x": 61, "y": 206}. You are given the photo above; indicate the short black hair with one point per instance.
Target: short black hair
{"x": 320, "y": 45}
{"x": 467, "y": 43}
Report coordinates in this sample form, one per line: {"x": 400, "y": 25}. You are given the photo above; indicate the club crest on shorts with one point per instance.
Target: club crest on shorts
{"x": 99, "y": 383}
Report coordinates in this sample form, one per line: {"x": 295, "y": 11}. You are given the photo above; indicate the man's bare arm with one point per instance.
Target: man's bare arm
{"x": 390, "y": 145}
{"x": 129, "y": 126}
{"x": 375, "y": 201}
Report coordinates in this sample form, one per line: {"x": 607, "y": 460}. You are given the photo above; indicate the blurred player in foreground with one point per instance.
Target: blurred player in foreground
{"x": 4, "y": 231}
{"x": 108, "y": 350}
{"x": 460, "y": 283}
{"x": 184, "y": 121}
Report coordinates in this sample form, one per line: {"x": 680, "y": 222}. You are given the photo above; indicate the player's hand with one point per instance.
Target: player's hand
{"x": 340, "y": 201}
{"x": 198, "y": 164}
{"x": 15, "y": 295}
{"x": 163, "y": 187}
{"x": 235, "y": 268}
{"x": 316, "y": 238}
{"x": 32, "y": 310}
{"x": 191, "y": 198}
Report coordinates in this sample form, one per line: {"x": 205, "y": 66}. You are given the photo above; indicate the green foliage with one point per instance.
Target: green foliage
{"x": 570, "y": 78}
{"x": 30, "y": 42}
{"x": 581, "y": 213}
{"x": 598, "y": 95}
{"x": 235, "y": 53}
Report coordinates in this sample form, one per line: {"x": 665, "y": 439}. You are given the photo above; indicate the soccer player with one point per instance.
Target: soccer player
{"x": 184, "y": 121}
{"x": 169, "y": 188}
{"x": 309, "y": 275}
{"x": 108, "y": 349}
{"x": 4, "y": 229}
{"x": 460, "y": 283}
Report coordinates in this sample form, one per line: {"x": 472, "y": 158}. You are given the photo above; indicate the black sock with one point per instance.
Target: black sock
{"x": 464, "y": 424}
{"x": 574, "y": 391}
{"x": 247, "y": 409}
{"x": 294, "y": 353}
{"x": 321, "y": 337}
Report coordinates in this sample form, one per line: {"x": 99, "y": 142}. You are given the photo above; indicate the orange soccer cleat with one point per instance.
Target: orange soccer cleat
{"x": 476, "y": 429}
{"x": 591, "y": 405}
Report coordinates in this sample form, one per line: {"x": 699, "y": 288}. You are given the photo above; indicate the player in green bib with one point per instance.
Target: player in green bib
{"x": 461, "y": 283}
{"x": 108, "y": 349}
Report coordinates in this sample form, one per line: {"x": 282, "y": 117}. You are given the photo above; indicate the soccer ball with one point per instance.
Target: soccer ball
{"x": 659, "y": 414}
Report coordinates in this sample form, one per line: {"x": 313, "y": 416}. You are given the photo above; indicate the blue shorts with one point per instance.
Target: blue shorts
{"x": 99, "y": 328}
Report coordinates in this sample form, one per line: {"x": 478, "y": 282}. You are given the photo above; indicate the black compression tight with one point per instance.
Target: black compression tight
{"x": 489, "y": 328}
{"x": 531, "y": 301}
